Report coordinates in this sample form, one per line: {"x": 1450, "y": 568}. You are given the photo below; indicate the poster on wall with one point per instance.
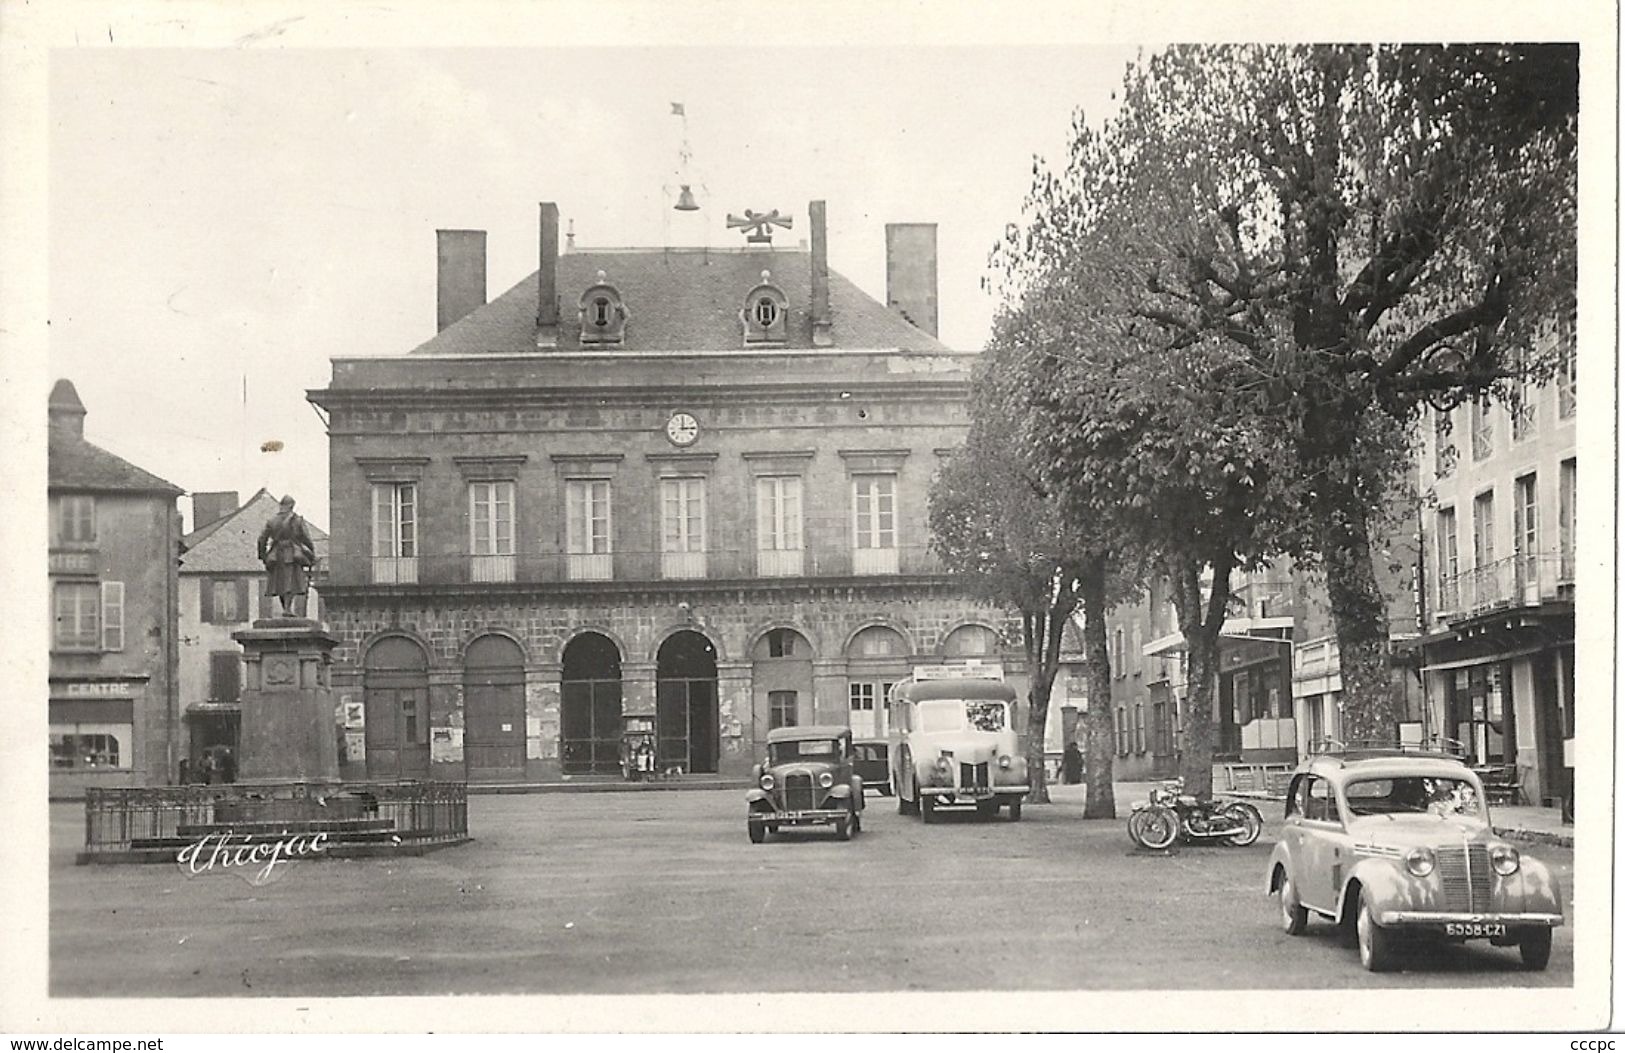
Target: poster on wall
{"x": 446, "y": 745}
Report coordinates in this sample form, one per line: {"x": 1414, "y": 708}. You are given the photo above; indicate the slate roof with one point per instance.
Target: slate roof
{"x": 681, "y": 300}
{"x": 75, "y": 464}
{"x": 227, "y": 546}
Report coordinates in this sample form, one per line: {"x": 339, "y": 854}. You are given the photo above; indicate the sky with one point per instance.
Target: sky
{"x": 224, "y": 222}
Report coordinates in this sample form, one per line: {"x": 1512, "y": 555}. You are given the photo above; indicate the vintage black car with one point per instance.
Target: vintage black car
{"x": 807, "y": 780}
{"x": 874, "y": 764}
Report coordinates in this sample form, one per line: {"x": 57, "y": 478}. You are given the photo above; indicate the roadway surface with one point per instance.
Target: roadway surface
{"x": 661, "y": 892}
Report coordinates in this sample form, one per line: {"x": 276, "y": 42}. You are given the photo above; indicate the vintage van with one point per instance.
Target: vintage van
{"x": 954, "y": 743}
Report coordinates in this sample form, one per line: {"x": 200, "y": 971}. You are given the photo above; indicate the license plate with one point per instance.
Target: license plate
{"x": 973, "y": 795}
{"x": 1475, "y": 928}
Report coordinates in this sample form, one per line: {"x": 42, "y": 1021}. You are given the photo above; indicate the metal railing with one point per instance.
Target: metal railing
{"x": 1516, "y": 581}
{"x": 124, "y": 818}
{"x": 723, "y": 564}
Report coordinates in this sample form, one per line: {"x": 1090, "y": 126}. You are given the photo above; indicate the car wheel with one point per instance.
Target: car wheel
{"x": 1159, "y": 828}
{"x": 1251, "y": 824}
{"x": 1376, "y": 942}
{"x": 928, "y": 809}
{"x": 987, "y": 808}
{"x": 843, "y": 829}
{"x": 886, "y": 790}
{"x": 758, "y": 833}
{"x": 1294, "y": 915}
{"x": 1015, "y": 811}
{"x": 909, "y": 807}
{"x": 1535, "y": 946}
{"x": 772, "y": 828}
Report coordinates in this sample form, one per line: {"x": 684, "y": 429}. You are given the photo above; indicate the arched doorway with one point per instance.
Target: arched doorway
{"x": 686, "y": 703}
{"x": 590, "y": 706}
{"x": 395, "y": 686}
{"x": 782, "y": 680}
{"x": 494, "y": 710}
{"x": 876, "y": 659}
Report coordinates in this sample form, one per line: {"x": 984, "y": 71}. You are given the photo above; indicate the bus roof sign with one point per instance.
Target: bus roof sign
{"x": 971, "y": 669}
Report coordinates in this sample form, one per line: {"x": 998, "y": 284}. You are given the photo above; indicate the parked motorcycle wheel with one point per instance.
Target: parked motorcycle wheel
{"x": 1249, "y": 820}
{"x": 1159, "y": 827}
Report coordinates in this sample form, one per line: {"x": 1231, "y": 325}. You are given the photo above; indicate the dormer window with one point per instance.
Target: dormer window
{"x": 764, "y": 315}
{"x": 603, "y": 314}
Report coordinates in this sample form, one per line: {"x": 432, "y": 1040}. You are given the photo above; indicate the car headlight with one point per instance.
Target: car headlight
{"x": 1004, "y": 761}
{"x": 943, "y": 765}
{"x": 767, "y": 780}
{"x": 1420, "y": 861}
{"x": 826, "y": 780}
{"x": 1504, "y": 860}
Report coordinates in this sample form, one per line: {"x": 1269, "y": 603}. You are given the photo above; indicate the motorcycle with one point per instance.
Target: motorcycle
{"x": 1172, "y": 814}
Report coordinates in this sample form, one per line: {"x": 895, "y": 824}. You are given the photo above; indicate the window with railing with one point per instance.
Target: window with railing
{"x": 587, "y": 535}
{"x": 1567, "y": 479}
{"x": 1525, "y": 533}
{"x": 1483, "y": 430}
{"x": 1449, "y": 564}
{"x": 778, "y": 526}
{"x": 491, "y": 530}
{"x": 874, "y": 524}
{"x": 682, "y": 535}
{"x": 394, "y": 533}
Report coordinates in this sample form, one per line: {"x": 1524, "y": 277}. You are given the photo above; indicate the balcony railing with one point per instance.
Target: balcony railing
{"x": 779, "y": 563}
{"x": 723, "y": 564}
{"x": 682, "y": 565}
{"x": 1517, "y": 581}
{"x": 874, "y": 561}
{"x": 491, "y": 568}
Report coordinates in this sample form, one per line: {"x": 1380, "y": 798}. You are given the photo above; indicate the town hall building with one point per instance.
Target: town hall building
{"x": 686, "y": 487}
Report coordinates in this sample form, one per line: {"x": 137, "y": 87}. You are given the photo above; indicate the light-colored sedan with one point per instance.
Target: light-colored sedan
{"x": 1396, "y": 844}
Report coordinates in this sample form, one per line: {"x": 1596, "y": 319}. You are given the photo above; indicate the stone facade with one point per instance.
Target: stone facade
{"x": 701, "y": 500}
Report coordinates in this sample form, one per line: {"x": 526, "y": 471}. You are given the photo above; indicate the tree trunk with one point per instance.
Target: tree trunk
{"x": 1045, "y": 634}
{"x": 1098, "y": 747}
{"x": 1371, "y": 709}
{"x": 1200, "y": 620}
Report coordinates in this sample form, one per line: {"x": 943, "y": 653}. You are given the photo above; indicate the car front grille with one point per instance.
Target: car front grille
{"x": 798, "y": 792}
{"x": 973, "y": 776}
{"x": 1464, "y": 874}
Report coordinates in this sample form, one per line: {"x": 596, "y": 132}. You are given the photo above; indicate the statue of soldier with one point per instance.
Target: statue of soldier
{"x": 288, "y": 554}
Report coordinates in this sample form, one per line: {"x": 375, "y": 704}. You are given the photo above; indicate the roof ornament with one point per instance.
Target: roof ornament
{"x": 758, "y": 226}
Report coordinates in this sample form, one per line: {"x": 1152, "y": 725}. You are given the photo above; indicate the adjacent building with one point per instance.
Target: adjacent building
{"x": 114, "y": 539}
{"x": 222, "y": 591}
{"x": 684, "y": 486}
{"x": 1499, "y": 537}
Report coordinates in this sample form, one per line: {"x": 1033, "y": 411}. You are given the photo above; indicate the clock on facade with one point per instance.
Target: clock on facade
{"x": 682, "y": 429}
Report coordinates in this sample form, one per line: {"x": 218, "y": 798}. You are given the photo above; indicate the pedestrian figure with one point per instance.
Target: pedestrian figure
{"x": 228, "y": 765}
{"x": 288, "y": 554}
{"x": 209, "y": 766}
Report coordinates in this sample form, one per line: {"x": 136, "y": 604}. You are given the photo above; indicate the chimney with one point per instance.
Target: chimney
{"x": 547, "y": 279}
{"x": 461, "y": 285}
{"x": 66, "y": 411}
{"x": 911, "y": 272}
{"x": 820, "y": 276}
{"x": 214, "y": 506}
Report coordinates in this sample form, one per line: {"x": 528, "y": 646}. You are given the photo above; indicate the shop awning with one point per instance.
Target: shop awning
{"x": 1483, "y": 659}
{"x": 1236, "y": 628}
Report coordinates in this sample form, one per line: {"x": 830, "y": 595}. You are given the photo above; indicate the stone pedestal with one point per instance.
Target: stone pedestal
{"x": 287, "y": 705}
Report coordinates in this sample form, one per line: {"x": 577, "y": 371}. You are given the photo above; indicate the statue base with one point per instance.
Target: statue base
{"x": 287, "y": 706}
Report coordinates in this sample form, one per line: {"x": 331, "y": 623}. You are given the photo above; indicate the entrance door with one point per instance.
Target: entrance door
{"x": 494, "y": 710}
{"x": 590, "y": 707}
{"x": 686, "y": 718}
{"x": 396, "y": 698}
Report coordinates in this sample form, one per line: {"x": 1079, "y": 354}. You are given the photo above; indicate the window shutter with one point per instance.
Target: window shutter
{"x": 242, "y": 599}
{"x": 225, "y": 677}
{"x": 205, "y": 596}
{"x": 112, "y": 616}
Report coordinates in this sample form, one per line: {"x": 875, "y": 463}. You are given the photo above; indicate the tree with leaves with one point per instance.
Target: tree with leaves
{"x": 1345, "y": 233}
{"x": 992, "y": 526}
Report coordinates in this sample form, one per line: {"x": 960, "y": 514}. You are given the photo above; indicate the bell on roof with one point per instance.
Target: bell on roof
{"x": 685, "y": 200}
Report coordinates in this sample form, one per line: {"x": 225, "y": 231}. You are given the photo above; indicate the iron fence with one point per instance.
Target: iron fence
{"x": 121, "y": 819}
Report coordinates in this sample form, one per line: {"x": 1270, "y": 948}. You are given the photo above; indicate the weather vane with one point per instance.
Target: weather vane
{"x": 758, "y": 226}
